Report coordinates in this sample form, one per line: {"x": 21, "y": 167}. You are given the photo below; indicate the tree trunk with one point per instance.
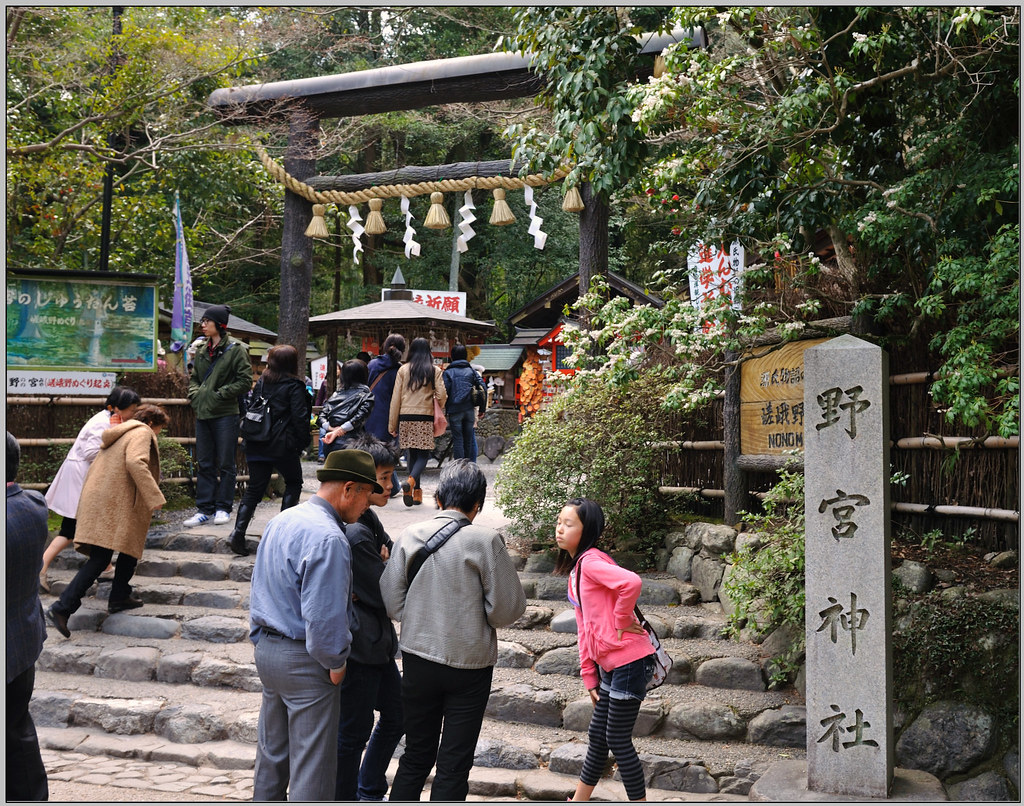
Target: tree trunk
{"x": 593, "y": 237}
{"x": 296, "y": 246}
{"x": 734, "y": 480}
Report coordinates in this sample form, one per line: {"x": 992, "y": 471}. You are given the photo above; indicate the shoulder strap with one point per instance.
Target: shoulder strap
{"x": 434, "y": 542}
{"x": 579, "y": 570}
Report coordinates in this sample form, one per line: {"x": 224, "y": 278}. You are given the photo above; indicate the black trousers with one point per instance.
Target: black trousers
{"x": 99, "y": 558}
{"x": 444, "y": 709}
{"x": 26, "y": 776}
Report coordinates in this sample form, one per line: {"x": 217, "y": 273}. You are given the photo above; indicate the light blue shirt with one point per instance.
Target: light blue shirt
{"x": 302, "y": 580}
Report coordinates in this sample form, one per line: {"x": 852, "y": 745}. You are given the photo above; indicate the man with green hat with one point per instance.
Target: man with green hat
{"x": 300, "y": 621}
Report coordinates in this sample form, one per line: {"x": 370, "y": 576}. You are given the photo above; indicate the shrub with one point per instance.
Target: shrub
{"x": 592, "y": 441}
{"x": 174, "y": 462}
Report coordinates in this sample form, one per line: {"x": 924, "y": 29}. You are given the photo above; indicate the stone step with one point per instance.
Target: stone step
{"x": 539, "y": 766}
{"x": 167, "y": 563}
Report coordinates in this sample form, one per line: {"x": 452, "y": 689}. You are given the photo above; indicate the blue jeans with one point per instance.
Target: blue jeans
{"x": 463, "y": 434}
{"x": 365, "y": 689}
{"x": 216, "y": 442}
{"x": 627, "y": 682}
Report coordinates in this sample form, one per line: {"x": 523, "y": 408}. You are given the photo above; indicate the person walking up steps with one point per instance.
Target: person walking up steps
{"x": 615, "y": 655}
{"x": 66, "y": 487}
{"x": 411, "y": 417}
{"x": 290, "y": 408}
{"x": 119, "y": 497}
{"x": 221, "y": 373}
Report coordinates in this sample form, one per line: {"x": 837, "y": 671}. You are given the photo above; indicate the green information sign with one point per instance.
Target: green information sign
{"x": 71, "y": 320}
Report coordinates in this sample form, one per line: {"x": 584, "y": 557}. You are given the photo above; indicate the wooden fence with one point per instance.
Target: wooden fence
{"x": 963, "y": 484}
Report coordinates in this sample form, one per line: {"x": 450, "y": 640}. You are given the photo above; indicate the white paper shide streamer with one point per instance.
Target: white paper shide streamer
{"x": 539, "y": 238}
{"x": 355, "y": 223}
{"x": 411, "y": 247}
{"x": 467, "y": 218}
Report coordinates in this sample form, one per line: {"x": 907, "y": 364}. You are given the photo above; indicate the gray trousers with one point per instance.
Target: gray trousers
{"x": 298, "y": 724}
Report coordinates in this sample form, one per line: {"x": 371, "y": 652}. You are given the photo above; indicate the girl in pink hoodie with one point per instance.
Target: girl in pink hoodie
{"x": 615, "y": 653}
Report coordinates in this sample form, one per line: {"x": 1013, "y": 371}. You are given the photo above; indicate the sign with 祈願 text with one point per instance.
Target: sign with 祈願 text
{"x": 847, "y": 584}
{"x": 447, "y": 301}
{"x": 772, "y": 400}
{"x": 68, "y": 320}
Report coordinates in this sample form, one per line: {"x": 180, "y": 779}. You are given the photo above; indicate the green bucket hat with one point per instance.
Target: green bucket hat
{"x": 350, "y": 466}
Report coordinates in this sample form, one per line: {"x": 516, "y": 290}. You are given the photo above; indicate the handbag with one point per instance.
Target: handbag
{"x": 256, "y": 425}
{"x": 661, "y": 658}
{"x": 479, "y": 393}
{"x": 440, "y": 421}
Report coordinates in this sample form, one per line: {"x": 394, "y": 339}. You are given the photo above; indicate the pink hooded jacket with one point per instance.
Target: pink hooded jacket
{"x": 609, "y": 594}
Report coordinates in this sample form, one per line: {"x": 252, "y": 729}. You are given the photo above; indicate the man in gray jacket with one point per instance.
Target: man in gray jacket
{"x": 449, "y": 609}
{"x": 221, "y": 373}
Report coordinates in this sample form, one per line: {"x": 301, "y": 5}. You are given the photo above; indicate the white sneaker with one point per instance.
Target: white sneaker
{"x": 197, "y": 519}
{"x": 221, "y": 517}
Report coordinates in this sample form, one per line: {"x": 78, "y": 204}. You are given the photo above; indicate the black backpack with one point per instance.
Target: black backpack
{"x": 257, "y": 424}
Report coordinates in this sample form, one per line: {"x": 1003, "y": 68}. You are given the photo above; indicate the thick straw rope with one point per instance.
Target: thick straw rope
{"x": 300, "y": 188}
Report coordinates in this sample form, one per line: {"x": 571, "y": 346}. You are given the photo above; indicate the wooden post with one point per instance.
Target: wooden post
{"x": 296, "y": 246}
{"x": 734, "y": 480}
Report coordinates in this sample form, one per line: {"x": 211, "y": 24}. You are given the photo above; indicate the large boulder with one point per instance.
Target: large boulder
{"x": 707, "y": 576}
{"x": 780, "y": 727}
{"x": 947, "y": 738}
{"x": 985, "y": 788}
{"x": 704, "y": 721}
{"x": 679, "y": 563}
{"x": 738, "y": 673}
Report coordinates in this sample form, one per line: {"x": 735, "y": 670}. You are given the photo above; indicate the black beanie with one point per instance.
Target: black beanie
{"x": 218, "y": 314}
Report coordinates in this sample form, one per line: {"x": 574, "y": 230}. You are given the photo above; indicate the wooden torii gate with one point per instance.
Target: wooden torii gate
{"x": 303, "y": 103}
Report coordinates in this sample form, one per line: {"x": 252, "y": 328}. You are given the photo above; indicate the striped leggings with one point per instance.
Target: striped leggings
{"x": 611, "y": 728}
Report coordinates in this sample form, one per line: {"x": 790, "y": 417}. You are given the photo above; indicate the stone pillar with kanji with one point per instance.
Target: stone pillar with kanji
{"x": 850, "y": 748}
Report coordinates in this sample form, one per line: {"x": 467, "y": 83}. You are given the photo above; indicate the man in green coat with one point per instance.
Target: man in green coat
{"x": 220, "y": 373}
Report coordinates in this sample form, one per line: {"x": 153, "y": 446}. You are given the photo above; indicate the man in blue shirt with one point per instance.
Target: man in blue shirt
{"x": 299, "y": 610}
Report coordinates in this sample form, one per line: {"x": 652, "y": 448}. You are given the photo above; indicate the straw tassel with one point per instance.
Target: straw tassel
{"x": 437, "y": 216}
{"x": 573, "y": 202}
{"x": 317, "y": 227}
{"x": 375, "y": 220}
{"x": 502, "y": 213}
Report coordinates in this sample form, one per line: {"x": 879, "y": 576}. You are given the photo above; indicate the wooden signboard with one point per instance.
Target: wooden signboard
{"x": 772, "y": 400}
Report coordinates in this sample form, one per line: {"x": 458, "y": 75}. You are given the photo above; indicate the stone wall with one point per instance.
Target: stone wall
{"x": 961, "y": 742}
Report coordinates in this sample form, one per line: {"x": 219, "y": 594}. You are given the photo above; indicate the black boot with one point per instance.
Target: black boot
{"x": 237, "y": 544}
{"x": 290, "y": 499}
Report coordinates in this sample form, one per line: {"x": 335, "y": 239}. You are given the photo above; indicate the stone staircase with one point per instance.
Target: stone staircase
{"x": 175, "y": 683}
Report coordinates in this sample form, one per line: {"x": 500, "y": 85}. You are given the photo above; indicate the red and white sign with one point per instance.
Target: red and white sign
{"x": 448, "y": 301}
{"x": 715, "y": 273}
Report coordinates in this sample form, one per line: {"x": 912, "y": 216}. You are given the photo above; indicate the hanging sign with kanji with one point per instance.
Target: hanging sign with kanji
{"x": 447, "y": 301}
{"x": 715, "y": 273}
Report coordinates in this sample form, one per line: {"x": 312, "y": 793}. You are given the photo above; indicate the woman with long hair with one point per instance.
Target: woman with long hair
{"x": 66, "y": 488}
{"x": 290, "y": 409}
{"x": 120, "y": 494}
{"x": 411, "y": 417}
{"x": 615, "y": 654}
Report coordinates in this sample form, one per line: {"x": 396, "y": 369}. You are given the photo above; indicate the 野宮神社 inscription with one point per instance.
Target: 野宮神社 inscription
{"x": 850, "y": 745}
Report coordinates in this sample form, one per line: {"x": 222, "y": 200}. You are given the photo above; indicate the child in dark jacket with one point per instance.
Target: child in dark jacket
{"x": 372, "y": 682}
{"x": 615, "y": 654}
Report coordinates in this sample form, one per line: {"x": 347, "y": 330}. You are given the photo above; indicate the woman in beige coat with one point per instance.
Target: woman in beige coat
{"x": 120, "y": 494}
{"x": 411, "y": 419}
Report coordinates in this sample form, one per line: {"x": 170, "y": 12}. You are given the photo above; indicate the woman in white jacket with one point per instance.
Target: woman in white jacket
{"x": 66, "y": 487}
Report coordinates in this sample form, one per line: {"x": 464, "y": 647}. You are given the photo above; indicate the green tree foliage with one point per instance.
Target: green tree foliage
{"x": 596, "y": 442}
{"x": 589, "y": 57}
{"x": 81, "y": 99}
{"x": 893, "y": 130}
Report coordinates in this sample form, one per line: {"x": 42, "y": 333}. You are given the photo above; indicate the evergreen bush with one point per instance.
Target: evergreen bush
{"x": 596, "y": 442}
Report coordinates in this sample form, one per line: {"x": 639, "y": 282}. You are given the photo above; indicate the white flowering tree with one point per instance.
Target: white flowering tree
{"x": 893, "y": 132}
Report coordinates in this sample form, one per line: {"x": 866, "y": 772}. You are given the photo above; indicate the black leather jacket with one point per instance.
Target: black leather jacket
{"x": 290, "y": 409}
{"x": 351, "y": 405}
